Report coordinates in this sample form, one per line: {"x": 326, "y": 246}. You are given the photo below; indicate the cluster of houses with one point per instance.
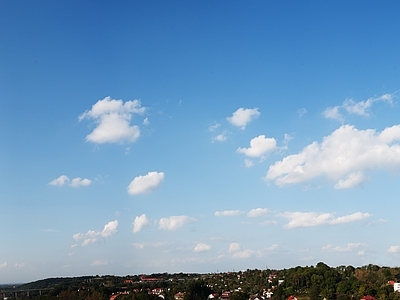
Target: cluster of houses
{"x": 266, "y": 294}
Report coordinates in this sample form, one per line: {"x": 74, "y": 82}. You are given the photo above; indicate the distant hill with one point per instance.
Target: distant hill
{"x": 52, "y": 282}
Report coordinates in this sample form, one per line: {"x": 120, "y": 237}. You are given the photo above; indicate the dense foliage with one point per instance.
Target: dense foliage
{"x": 310, "y": 282}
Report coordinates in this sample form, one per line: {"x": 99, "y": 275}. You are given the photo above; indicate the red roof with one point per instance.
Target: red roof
{"x": 368, "y": 298}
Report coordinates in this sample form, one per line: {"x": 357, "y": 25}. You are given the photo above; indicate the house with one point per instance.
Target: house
{"x": 368, "y": 297}
{"x": 179, "y": 296}
{"x": 225, "y": 295}
{"x": 396, "y": 286}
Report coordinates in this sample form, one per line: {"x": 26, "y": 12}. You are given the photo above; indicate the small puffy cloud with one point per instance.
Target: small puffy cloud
{"x": 93, "y": 236}
{"x": 350, "y": 247}
{"x": 310, "y": 219}
{"x": 333, "y": 113}
{"x": 243, "y": 254}
{"x": 257, "y": 212}
{"x": 259, "y": 146}
{"x": 146, "y": 122}
{"x": 112, "y": 118}
{"x": 3, "y": 265}
{"x": 146, "y": 183}
{"x": 234, "y": 247}
{"x": 243, "y": 116}
{"x": 78, "y": 182}
{"x": 140, "y": 222}
{"x": 174, "y": 222}
{"x": 228, "y": 213}
{"x": 394, "y": 249}
{"x": 60, "y": 181}
{"x": 201, "y": 247}
{"x": 75, "y": 183}
{"x": 214, "y": 126}
{"x": 361, "y": 108}
{"x": 344, "y": 156}
{"x": 220, "y": 137}
{"x": 248, "y": 163}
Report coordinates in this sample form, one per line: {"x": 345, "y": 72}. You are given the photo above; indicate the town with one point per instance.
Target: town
{"x": 319, "y": 282}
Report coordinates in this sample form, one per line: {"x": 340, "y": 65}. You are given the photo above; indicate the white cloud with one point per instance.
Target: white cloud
{"x": 259, "y": 146}
{"x": 302, "y": 111}
{"x": 243, "y": 254}
{"x": 358, "y": 216}
{"x": 140, "y": 222}
{"x": 350, "y": 247}
{"x": 78, "y": 182}
{"x": 220, "y": 137}
{"x": 243, "y": 116}
{"x": 99, "y": 263}
{"x": 352, "y": 180}
{"x": 361, "y": 108}
{"x": 146, "y": 183}
{"x": 234, "y": 247}
{"x": 333, "y": 113}
{"x": 112, "y": 118}
{"x": 146, "y": 245}
{"x": 60, "y": 181}
{"x": 146, "y": 122}
{"x": 310, "y": 219}
{"x": 344, "y": 157}
{"x": 92, "y": 236}
{"x": 268, "y": 222}
{"x": 228, "y": 213}
{"x": 214, "y": 127}
{"x": 174, "y": 222}
{"x": 257, "y": 212}
{"x": 394, "y": 249}
{"x": 248, "y": 163}
{"x": 3, "y": 265}
{"x": 201, "y": 247}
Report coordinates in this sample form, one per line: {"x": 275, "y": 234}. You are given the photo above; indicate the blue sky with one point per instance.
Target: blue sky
{"x": 203, "y": 136}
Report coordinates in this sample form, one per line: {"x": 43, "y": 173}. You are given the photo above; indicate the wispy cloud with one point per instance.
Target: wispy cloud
{"x": 228, "y": 213}
{"x": 350, "y": 247}
{"x": 92, "y": 236}
{"x": 310, "y": 219}
{"x": 100, "y": 263}
{"x": 75, "y": 182}
{"x": 257, "y": 212}
{"x": 394, "y": 249}
{"x": 361, "y": 108}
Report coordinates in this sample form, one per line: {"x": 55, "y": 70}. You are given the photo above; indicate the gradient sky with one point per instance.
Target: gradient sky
{"x": 197, "y": 136}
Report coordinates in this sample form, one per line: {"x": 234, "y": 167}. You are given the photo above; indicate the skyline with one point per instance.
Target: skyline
{"x": 195, "y": 137}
